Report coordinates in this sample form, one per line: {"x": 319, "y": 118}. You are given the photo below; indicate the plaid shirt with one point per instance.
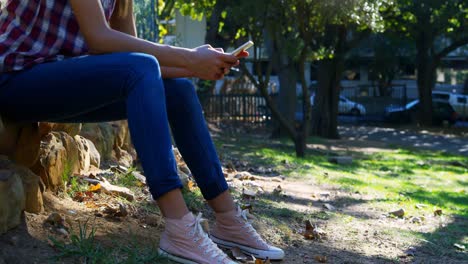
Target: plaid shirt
{"x": 37, "y": 31}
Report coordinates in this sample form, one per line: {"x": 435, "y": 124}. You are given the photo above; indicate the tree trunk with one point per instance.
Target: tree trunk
{"x": 287, "y": 96}
{"x": 213, "y": 25}
{"x": 325, "y": 111}
{"x": 426, "y": 77}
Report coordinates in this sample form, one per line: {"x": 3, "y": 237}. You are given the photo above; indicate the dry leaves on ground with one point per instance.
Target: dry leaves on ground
{"x": 313, "y": 232}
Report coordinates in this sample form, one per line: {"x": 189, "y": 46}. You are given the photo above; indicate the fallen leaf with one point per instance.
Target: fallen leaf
{"x": 458, "y": 246}
{"x": 237, "y": 254}
{"x": 411, "y": 252}
{"x": 94, "y": 188}
{"x": 248, "y": 194}
{"x": 329, "y": 207}
{"x": 416, "y": 220}
{"x": 278, "y": 190}
{"x": 420, "y": 206}
{"x": 313, "y": 232}
{"x": 259, "y": 261}
{"x": 191, "y": 185}
{"x": 438, "y": 212}
{"x": 321, "y": 259}
{"x": 398, "y": 213}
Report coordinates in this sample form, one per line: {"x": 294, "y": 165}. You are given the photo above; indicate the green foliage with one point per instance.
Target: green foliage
{"x": 84, "y": 248}
{"x": 193, "y": 199}
{"x": 76, "y": 186}
{"x": 442, "y": 22}
{"x": 82, "y": 245}
{"x": 127, "y": 179}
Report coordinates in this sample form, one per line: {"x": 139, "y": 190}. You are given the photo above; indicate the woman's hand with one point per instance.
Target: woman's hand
{"x": 209, "y": 63}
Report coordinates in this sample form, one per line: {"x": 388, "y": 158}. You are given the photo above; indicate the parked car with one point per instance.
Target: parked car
{"x": 459, "y": 102}
{"x": 346, "y": 106}
{"x": 442, "y": 111}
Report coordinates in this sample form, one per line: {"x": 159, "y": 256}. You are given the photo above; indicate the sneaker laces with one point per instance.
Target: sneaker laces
{"x": 243, "y": 214}
{"x": 207, "y": 244}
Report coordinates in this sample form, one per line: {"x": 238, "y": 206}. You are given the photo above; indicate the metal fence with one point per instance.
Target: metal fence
{"x": 235, "y": 107}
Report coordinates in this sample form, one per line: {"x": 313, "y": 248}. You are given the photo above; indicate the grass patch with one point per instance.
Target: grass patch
{"x": 396, "y": 178}
{"x": 84, "y": 248}
{"x": 127, "y": 179}
{"x": 194, "y": 199}
{"x": 76, "y": 186}
{"x": 399, "y": 176}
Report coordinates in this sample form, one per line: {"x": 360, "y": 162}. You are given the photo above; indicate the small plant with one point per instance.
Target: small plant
{"x": 127, "y": 179}
{"x": 193, "y": 199}
{"x": 82, "y": 245}
{"x": 76, "y": 186}
{"x": 66, "y": 174}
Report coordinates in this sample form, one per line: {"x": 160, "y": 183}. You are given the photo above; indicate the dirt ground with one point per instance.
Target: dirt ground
{"x": 353, "y": 229}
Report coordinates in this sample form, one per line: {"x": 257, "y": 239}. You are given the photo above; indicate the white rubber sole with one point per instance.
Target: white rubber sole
{"x": 175, "y": 258}
{"x": 257, "y": 253}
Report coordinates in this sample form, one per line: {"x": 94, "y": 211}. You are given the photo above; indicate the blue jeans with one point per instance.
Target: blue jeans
{"x": 120, "y": 86}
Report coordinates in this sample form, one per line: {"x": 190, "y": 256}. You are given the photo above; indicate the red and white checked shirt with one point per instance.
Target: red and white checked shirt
{"x": 37, "y": 31}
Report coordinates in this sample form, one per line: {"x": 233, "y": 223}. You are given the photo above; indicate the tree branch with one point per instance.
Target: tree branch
{"x": 444, "y": 52}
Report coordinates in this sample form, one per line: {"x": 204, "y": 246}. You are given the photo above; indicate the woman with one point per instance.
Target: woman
{"x": 48, "y": 75}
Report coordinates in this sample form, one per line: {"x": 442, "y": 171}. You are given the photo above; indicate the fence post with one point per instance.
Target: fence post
{"x": 405, "y": 96}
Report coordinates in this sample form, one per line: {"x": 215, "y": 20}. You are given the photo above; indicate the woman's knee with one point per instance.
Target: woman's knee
{"x": 180, "y": 91}
{"x": 143, "y": 63}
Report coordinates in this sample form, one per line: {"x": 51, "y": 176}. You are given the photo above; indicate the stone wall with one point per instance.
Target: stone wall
{"x": 47, "y": 154}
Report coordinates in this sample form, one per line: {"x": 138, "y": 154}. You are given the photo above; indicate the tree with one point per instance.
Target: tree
{"x": 390, "y": 53}
{"x": 343, "y": 24}
{"x": 437, "y": 28}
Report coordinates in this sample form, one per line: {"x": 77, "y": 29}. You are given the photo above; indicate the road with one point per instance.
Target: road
{"x": 404, "y": 137}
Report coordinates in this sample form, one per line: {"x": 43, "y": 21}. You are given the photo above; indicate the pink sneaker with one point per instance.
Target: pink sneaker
{"x": 233, "y": 230}
{"x": 185, "y": 241}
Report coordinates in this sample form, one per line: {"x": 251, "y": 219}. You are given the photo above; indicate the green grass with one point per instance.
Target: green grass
{"x": 398, "y": 178}
{"x": 401, "y": 176}
{"x": 85, "y": 248}
{"x": 127, "y": 179}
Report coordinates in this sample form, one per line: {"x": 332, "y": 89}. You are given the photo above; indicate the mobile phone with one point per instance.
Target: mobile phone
{"x": 243, "y": 47}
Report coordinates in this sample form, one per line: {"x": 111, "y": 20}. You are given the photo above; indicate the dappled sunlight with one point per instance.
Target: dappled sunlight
{"x": 408, "y": 138}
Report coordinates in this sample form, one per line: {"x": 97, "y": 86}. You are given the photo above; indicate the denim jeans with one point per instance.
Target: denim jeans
{"x": 118, "y": 86}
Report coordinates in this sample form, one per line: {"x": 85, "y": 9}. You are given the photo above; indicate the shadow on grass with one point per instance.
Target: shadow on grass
{"x": 439, "y": 245}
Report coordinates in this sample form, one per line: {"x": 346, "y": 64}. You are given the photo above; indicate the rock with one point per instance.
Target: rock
{"x": 112, "y": 141}
{"x": 32, "y": 185}
{"x": 84, "y": 157}
{"x": 102, "y": 136}
{"x": 94, "y": 156}
{"x": 342, "y": 160}
{"x": 33, "y": 194}
{"x": 416, "y": 220}
{"x": 71, "y": 129}
{"x": 329, "y": 207}
{"x": 398, "y": 213}
{"x": 59, "y": 158}
{"x": 28, "y": 145}
{"x": 122, "y": 157}
{"x": 12, "y": 200}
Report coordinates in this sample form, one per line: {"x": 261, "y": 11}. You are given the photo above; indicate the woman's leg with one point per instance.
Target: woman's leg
{"x": 69, "y": 90}
{"x": 194, "y": 142}
{"x": 76, "y": 88}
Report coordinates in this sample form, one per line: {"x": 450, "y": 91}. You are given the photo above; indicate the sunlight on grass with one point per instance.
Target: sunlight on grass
{"x": 399, "y": 176}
